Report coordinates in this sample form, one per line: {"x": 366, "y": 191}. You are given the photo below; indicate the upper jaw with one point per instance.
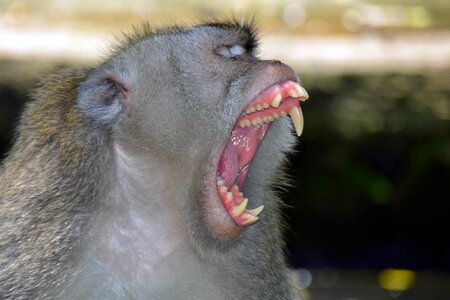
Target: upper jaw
{"x": 276, "y": 101}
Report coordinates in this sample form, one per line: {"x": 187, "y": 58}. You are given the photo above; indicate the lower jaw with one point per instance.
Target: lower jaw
{"x": 222, "y": 226}
{"x": 218, "y": 220}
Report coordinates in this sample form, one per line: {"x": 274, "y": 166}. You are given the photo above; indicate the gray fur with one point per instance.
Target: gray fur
{"x": 102, "y": 195}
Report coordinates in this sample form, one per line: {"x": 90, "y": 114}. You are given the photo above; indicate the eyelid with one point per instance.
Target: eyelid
{"x": 236, "y": 50}
{"x": 231, "y": 51}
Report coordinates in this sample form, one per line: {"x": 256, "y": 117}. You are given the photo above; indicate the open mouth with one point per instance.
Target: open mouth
{"x": 251, "y": 127}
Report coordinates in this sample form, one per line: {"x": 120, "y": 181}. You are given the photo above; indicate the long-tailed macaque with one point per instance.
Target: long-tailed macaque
{"x": 148, "y": 176}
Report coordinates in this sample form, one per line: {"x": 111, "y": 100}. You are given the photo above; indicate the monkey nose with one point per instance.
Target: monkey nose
{"x": 276, "y": 62}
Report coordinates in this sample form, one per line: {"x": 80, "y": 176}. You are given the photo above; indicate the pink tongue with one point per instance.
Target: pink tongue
{"x": 228, "y": 164}
{"x": 238, "y": 154}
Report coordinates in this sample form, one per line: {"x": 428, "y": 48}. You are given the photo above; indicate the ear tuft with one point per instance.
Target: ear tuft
{"x": 102, "y": 98}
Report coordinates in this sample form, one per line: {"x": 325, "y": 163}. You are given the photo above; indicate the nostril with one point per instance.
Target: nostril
{"x": 276, "y": 62}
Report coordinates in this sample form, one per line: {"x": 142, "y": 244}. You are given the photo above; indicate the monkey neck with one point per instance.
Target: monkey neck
{"x": 142, "y": 216}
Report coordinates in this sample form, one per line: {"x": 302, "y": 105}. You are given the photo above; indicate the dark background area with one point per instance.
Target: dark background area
{"x": 380, "y": 197}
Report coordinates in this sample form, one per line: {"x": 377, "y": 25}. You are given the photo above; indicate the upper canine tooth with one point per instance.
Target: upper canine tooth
{"x": 297, "y": 118}
{"x": 302, "y": 93}
{"x": 293, "y": 93}
{"x": 276, "y": 100}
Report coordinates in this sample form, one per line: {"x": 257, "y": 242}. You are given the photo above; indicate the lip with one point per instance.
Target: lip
{"x": 250, "y": 96}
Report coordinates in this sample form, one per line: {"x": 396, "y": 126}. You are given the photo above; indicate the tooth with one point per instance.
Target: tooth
{"x": 240, "y": 208}
{"x": 255, "y": 121}
{"x": 260, "y": 121}
{"x": 252, "y": 109}
{"x": 276, "y": 101}
{"x": 302, "y": 93}
{"x": 259, "y": 107}
{"x": 247, "y": 123}
{"x": 242, "y": 123}
{"x": 297, "y": 118}
{"x": 229, "y": 196}
{"x": 249, "y": 219}
{"x": 223, "y": 189}
{"x": 275, "y": 115}
{"x": 266, "y": 105}
{"x": 271, "y": 118}
{"x": 256, "y": 211}
{"x": 220, "y": 181}
{"x": 235, "y": 188}
{"x": 293, "y": 93}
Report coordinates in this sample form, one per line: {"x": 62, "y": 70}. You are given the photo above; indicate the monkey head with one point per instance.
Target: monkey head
{"x": 199, "y": 98}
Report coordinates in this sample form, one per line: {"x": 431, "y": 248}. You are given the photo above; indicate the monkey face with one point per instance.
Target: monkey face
{"x": 200, "y": 97}
{"x": 244, "y": 96}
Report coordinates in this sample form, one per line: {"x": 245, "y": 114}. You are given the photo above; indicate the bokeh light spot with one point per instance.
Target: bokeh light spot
{"x": 396, "y": 279}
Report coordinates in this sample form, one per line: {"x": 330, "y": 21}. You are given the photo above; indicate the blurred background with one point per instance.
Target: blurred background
{"x": 368, "y": 215}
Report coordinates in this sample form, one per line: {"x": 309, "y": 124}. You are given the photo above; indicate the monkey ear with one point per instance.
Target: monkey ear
{"x": 102, "y": 97}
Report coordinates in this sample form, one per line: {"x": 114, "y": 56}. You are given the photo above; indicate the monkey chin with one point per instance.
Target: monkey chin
{"x": 228, "y": 215}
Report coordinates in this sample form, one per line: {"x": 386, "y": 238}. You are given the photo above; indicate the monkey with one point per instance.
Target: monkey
{"x": 150, "y": 174}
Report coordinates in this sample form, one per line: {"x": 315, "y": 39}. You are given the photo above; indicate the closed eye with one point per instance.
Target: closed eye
{"x": 232, "y": 51}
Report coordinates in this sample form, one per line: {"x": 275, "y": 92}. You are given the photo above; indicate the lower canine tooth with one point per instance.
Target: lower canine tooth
{"x": 249, "y": 219}
{"x": 240, "y": 208}
{"x": 256, "y": 211}
{"x": 297, "y": 118}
